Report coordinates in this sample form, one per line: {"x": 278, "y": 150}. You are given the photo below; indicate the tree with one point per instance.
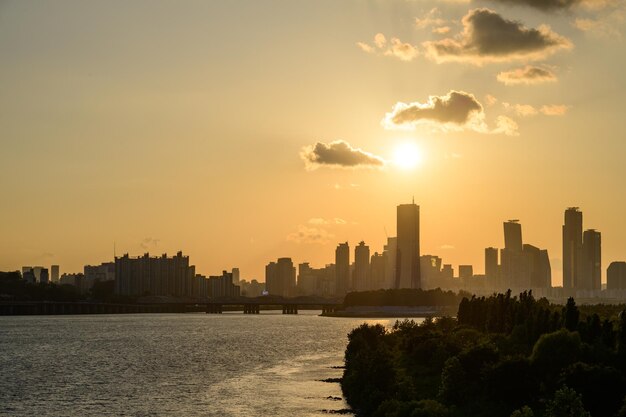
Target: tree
{"x": 525, "y": 411}
{"x": 566, "y": 403}
{"x": 571, "y": 315}
{"x": 555, "y": 351}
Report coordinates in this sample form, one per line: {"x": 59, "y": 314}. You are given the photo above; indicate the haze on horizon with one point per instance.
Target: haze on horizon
{"x": 239, "y": 132}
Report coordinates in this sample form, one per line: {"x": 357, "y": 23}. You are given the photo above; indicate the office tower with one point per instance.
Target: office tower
{"x": 342, "y": 268}
{"x": 616, "y": 276}
{"x": 514, "y": 268}
{"x": 572, "y": 247}
{"x": 466, "y": 271}
{"x": 37, "y": 272}
{"x": 513, "y": 236}
{"x": 390, "y": 255}
{"x": 430, "y": 269}
{"x": 591, "y": 261}
{"x": 447, "y": 272}
{"x": 54, "y": 273}
{"x": 408, "y": 250}
{"x": 236, "y": 277}
{"x": 377, "y": 272}
{"x": 538, "y": 265}
{"x": 28, "y": 274}
{"x": 361, "y": 267}
{"x": 491, "y": 263}
{"x": 44, "y": 277}
{"x": 161, "y": 276}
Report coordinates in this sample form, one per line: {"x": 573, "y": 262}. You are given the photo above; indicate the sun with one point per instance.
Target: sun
{"x": 407, "y": 156}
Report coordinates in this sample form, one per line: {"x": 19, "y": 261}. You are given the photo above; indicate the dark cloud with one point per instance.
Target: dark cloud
{"x": 339, "y": 154}
{"x": 487, "y": 36}
{"x": 555, "y": 5}
{"x": 527, "y": 75}
{"x": 456, "y": 107}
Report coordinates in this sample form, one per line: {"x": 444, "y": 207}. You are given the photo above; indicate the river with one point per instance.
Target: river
{"x": 230, "y": 364}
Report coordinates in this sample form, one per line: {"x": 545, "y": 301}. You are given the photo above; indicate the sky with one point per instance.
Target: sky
{"x": 243, "y": 131}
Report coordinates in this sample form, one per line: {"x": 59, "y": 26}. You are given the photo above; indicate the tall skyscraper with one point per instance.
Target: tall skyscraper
{"x": 390, "y": 255}
{"x": 513, "y": 236}
{"x": 572, "y": 247}
{"x": 491, "y": 264}
{"x": 515, "y": 268}
{"x": 342, "y": 268}
{"x": 408, "y": 251}
{"x": 616, "y": 276}
{"x": 377, "y": 272}
{"x": 361, "y": 267}
{"x": 591, "y": 261}
{"x": 54, "y": 273}
{"x": 280, "y": 277}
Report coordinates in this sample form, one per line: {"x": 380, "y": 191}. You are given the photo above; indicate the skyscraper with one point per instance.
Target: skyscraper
{"x": 491, "y": 264}
{"x": 572, "y": 247}
{"x": 361, "y": 267}
{"x": 54, "y": 273}
{"x": 513, "y": 236}
{"x": 408, "y": 250}
{"x": 390, "y": 255}
{"x": 342, "y": 268}
{"x": 591, "y": 261}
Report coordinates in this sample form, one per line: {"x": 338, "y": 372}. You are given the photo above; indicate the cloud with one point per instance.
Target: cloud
{"x": 455, "y": 108}
{"x": 555, "y": 5}
{"x": 527, "y": 75}
{"x": 442, "y": 30}
{"x": 523, "y": 110}
{"x": 306, "y": 234}
{"x": 454, "y": 111}
{"x": 394, "y": 48}
{"x": 430, "y": 18}
{"x": 321, "y": 221}
{"x": 338, "y": 154}
{"x": 488, "y": 37}
{"x": 605, "y": 26}
{"x": 506, "y": 126}
{"x": 446, "y": 247}
{"x": 491, "y": 100}
{"x": 149, "y": 243}
{"x": 554, "y": 109}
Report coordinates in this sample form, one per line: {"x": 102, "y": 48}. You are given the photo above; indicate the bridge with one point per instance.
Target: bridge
{"x": 210, "y": 306}
{"x": 287, "y": 305}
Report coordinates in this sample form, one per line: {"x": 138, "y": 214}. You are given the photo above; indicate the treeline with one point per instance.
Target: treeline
{"x": 502, "y": 356}
{"x": 404, "y": 297}
{"x": 14, "y": 288}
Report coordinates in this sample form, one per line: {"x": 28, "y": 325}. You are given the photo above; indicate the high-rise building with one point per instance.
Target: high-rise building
{"x": 280, "y": 277}
{"x": 447, "y": 272}
{"x": 466, "y": 271}
{"x": 491, "y": 263}
{"x": 342, "y": 268}
{"x": 514, "y": 269}
{"x": 616, "y": 276}
{"x": 377, "y": 272}
{"x": 390, "y": 255}
{"x": 430, "y": 269}
{"x": 572, "y": 248}
{"x": 222, "y": 286}
{"x": 161, "y": 276}
{"x": 408, "y": 250}
{"x": 361, "y": 267}
{"x": 538, "y": 264}
{"x": 236, "y": 277}
{"x": 102, "y": 272}
{"x": 44, "y": 277}
{"x": 54, "y": 273}
{"x": 590, "y": 278}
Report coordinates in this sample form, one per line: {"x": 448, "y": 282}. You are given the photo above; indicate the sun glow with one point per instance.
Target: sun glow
{"x": 407, "y": 156}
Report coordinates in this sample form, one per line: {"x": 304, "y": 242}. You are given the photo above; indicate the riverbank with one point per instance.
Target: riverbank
{"x": 393, "y": 311}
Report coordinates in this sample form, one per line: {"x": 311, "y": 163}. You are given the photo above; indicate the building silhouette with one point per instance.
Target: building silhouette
{"x": 102, "y": 272}
{"x": 390, "y": 256}
{"x": 54, "y": 273}
{"x": 492, "y": 268}
{"x": 616, "y": 276}
{"x": 160, "y": 276}
{"x": 280, "y": 277}
{"x": 466, "y": 272}
{"x": 342, "y": 268}
{"x": 377, "y": 272}
{"x": 219, "y": 286}
{"x": 361, "y": 267}
{"x": 430, "y": 269}
{"x": 591, "y": 261}
{"x": 572, "y": 248}
{"x": 408, "y": 249}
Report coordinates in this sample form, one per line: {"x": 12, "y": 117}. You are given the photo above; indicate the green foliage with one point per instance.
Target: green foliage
{"x": 502, "y": 356}
{"x": 525, "y": 411}
{"x": 566, "y": 403}
{"x": 403, "y": 297}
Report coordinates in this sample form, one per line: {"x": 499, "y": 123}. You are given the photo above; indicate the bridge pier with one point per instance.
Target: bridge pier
{"x": 290, "y": 309}
{"x": 214, "y": 309}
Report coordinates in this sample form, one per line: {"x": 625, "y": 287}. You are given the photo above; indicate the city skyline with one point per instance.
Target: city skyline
{"x": 136, "y": 135}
